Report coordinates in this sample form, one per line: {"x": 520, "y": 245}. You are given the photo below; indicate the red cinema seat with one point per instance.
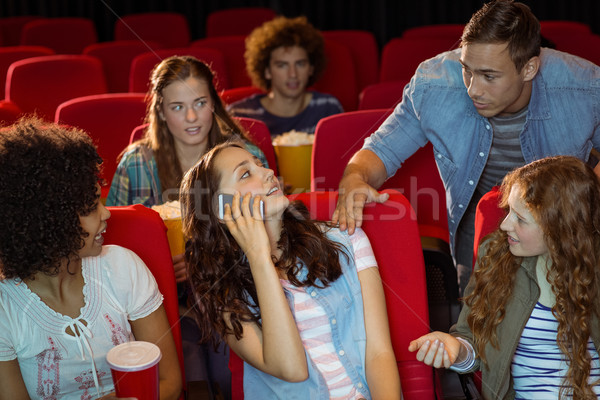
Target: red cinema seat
{"x": 561, "y": 31}
{"x": 381, "y": 95}
{"x": 141, "y": 230}
{"x": 10, "y": 54}
{"x": 339, "y": 136}
{"x": 143, "y": 64}
{"x": 170, "y": 29}
{"x": 488, "y": 216}
{"x": 260, "y": 135}
{"x": 11, "y": 28}
{"x": 232, "y": 95}
{"x": 237, "y": 20}
{"x": 109, "y": 120}
{"x": 40, "y": 84}
{"x": 401, "y": 56}
{"x": 116, "y": 57}
{"x": 69, "y": 35}
{"x": 339, "y": 77}
{"x": 364, "y": 51}
{"x": 233, "y": 49}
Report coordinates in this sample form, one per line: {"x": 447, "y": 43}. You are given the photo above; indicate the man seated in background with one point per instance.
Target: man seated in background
{"x": 284, "y": 57}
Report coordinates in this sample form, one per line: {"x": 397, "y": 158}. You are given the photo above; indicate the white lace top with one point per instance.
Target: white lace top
{"x": 54, "y": 364}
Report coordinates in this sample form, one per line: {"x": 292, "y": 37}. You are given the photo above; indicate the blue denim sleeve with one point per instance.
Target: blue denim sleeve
{"x": 400, "y": 135}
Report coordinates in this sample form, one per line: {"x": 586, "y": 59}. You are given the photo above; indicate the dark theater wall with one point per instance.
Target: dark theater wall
{"x": 385, "y": 18}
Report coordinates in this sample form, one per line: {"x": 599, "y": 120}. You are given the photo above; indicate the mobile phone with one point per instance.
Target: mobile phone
{"x": 225, "y": 198}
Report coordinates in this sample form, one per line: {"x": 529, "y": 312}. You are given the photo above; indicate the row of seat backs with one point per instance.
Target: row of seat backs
{"x": 172, "y": 29}
{"x": 69, "y": 35}
{"x": 109, "y": 119}
{"x": 399, "y": 59}
{"x": 417, "y": 43}
{"x": 224, "y": 55}
{"x": 338, "y": 137}
{"x": 127, "y": 63}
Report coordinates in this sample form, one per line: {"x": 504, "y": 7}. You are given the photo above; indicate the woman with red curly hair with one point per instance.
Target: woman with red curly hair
{"x": 530, "y": 320}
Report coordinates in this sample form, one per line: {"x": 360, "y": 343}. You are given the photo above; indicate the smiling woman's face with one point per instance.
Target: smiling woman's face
{"x": 94, "y": 224}
{"x": 525, "y": 236}
{"x": 242, "y": 172}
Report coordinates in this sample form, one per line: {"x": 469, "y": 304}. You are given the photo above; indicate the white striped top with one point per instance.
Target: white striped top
{"x": 315, "y": 331}
{"x": 538, "y": 366}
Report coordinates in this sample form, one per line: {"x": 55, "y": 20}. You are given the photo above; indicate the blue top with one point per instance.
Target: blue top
{"x": 538, "y": 367}
{"x": 321, "y": 105}
{"x": 563, "y": 118}
{"x": 342, "y": 301}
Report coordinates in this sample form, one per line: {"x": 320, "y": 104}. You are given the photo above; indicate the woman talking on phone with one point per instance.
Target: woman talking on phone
{"x": 299, "y": 301}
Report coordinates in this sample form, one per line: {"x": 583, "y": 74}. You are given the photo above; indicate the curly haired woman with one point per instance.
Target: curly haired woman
{"x": 531, "y": 315}
{"x": 286, "y": 293}
{"x": 284, "y": 57}
{"x": 66, "y": 300}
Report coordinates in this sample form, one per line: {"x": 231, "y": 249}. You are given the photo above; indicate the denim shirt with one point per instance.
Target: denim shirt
{"x": 342, "y": 301}
{"x": 563, "y": 118}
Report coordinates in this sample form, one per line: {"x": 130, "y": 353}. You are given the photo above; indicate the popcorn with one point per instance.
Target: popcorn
{"x": 169, "y": 210}
{"x": 294, "y": 138}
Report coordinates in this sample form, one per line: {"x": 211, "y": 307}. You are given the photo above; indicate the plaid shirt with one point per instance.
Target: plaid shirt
{"x": 136, "y": 179}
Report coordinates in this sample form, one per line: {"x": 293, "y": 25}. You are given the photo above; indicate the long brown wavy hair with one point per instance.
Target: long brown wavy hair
{"x": 158, "y": 137}
{"x": 563, "y": 195}
{"x": 219, "y": 272}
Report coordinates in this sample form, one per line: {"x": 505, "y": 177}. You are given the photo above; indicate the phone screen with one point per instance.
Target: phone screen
{"x": 228, "y": 199}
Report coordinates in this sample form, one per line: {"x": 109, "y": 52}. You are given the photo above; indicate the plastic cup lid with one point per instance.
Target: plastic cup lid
{"x": 133, "y": 356}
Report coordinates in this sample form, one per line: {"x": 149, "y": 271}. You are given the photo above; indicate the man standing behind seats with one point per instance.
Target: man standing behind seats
{"x": 284, "y": 57}
{"x": 522, "y": 103}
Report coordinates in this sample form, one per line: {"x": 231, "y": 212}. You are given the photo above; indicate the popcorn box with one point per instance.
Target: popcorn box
{"x": 170, "y": 212}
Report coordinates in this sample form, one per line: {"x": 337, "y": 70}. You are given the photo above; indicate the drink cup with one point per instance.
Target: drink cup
{"x": 175, "y": 235}
{"x": 294, "y": 165}
{"x": 134, "y": 368}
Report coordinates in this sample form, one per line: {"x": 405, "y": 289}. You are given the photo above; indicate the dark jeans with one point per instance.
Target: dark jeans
{"x": 465, "y": 236}
{"x": 202, "y": 362}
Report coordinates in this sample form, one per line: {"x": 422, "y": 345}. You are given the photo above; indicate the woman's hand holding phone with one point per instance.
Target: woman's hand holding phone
{"x": 225, "y": 198}
{"x": 247, "y": 228}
